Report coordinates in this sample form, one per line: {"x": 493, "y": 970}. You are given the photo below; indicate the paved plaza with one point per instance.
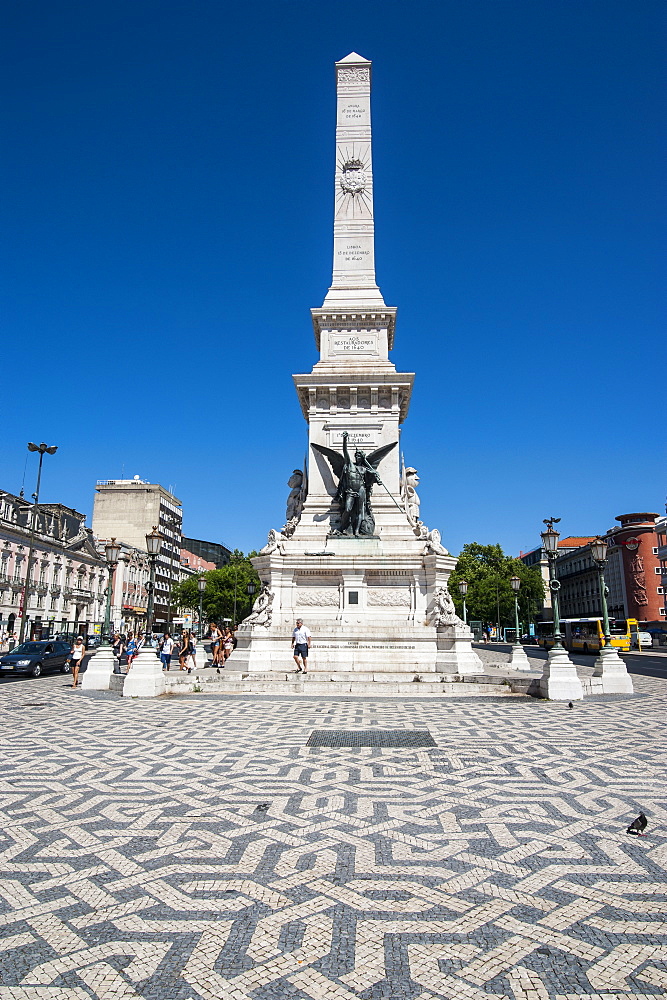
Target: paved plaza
{"x": 198, "y": 847}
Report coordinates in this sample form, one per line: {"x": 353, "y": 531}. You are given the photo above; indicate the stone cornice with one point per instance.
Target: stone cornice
{"x": 353, "y": 319}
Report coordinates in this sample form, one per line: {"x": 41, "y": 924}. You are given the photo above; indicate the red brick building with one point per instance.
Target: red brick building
{"x": 635, "y": 540}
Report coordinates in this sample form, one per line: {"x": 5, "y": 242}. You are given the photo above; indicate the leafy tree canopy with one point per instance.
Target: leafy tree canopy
{"x": 487, "y": 571}
{"x": 221, "y": 586}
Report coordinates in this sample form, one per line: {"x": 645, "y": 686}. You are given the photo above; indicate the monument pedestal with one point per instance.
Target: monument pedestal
{"x": 201, "y": 656}
{"x": 519, "y": 660}
{"x": 455, "y": 653}
{"x": 99, "y": 669}
{"x": 354, "y": 561}
{"x": 145, "y": 678}
{"x": 611, "y": 668}
{"x": 560, "y": 681}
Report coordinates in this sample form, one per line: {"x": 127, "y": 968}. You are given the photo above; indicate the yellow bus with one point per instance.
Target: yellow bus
{"x": 586, "y": 635}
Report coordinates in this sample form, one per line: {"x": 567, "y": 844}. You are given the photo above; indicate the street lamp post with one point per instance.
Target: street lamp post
{"x": 519, "y": 659}
{"x": 97, "y": 676}
{"x": 201, "y": 584}
{"x": 153, "y": 542}
{"x": 201, "y": 658}
{"x": 111, "y": 554}
{"x": 146, "y": 679}
{"x": 559, "y": 681}
{"x": 43, "y": 449}
{"x": 608, "y": 665}
{"x": 463, "y": 590}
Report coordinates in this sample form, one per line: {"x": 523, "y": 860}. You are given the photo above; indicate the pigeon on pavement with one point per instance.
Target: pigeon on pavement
{"x": 637, "y": 825}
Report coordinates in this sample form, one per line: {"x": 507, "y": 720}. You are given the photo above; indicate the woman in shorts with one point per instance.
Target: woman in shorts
{"x": 227, "y": 645}
{"x": 77, "y": 654}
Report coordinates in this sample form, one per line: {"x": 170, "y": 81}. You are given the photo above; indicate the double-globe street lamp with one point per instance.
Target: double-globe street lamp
{"x": 463, "y": 590}
{"x": 43, "y": 449}
{"x": 559, "y": 681}
{"x": 146, "y": 679}
{"x": 609, "y": 665}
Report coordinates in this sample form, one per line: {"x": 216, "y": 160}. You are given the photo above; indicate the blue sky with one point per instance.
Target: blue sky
{"x": 167, "y": 178}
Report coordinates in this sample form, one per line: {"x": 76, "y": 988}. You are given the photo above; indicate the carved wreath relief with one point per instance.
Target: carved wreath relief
{"x": 354, "y": 74}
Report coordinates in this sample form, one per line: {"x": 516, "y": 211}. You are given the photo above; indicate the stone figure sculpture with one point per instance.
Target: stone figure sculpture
{"x": 355, "y": 485}
{"x": 273, "y": 542}
{"x": 262, "y": 609}
{"x": 412, "y": 501}
{"x": 443, "y": 612}
{"x": 295, "y": 498}
{"x": 412, "y": 504}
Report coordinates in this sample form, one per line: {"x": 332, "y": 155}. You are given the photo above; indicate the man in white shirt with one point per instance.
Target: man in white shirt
{"x": 166, "y": 649}
{"x": 300, "y": 645}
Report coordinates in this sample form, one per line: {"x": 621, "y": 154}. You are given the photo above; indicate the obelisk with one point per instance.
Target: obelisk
{"x": 354, "y": 560}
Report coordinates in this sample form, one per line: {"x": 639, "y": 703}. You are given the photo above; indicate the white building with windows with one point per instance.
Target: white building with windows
{"x": 127, "y": 510}
{"x": 67, "y": 583}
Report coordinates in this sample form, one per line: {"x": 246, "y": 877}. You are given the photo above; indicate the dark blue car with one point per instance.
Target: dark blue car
{"x": 36, "y": 657}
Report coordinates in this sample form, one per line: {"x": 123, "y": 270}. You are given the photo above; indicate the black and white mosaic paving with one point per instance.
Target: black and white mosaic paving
{"x": 198, "y": 848}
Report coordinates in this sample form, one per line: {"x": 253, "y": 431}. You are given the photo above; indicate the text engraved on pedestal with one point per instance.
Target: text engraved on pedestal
{"x": 353, "y": 252}
{"x": 342, "y": 344}
{"x": 352, "y": 112}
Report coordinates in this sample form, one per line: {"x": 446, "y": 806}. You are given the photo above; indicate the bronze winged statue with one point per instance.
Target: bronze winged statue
{"x": 355, "y": 485}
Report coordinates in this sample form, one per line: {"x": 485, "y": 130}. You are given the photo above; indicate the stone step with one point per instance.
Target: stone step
{"x": 281, "y": 684}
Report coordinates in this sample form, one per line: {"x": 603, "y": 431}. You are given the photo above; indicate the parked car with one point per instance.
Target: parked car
{"x": 529, "y": 640}
{"x": 645, "y": 638}
{"x": 36, "y": 657}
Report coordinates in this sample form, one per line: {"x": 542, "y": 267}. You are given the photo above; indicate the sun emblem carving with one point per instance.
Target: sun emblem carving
{"x": 353, "y": 177}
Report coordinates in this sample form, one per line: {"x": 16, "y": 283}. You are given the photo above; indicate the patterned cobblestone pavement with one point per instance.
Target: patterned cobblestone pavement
{"x": 198, "y": 848}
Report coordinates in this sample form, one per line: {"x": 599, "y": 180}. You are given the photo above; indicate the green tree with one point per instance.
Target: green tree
{"x": 221, "y": 586}
{"x": 488, "y": 571}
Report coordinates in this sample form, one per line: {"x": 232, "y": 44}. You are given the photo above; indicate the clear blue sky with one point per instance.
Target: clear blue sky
{"x": 167, "y": 180}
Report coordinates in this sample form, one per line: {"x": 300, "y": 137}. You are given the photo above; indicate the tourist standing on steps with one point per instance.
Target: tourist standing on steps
{"x": 216, "y": 643}
{"x": 166, "y": 649}
{"x": 301, "y": 645}
{"x": 227, "y": 645}
{"x": 77, "y": 654}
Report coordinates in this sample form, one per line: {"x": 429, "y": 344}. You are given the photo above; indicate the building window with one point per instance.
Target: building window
{"x": 663, "y": 611}
{"x": 660, "y": 590}
{"x": 658, "y": 570}
{"x": 353, "y": 597}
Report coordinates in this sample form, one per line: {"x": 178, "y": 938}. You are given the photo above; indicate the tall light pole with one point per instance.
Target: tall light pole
{"x": 201, "y": 584}
{"x": 236, "y": 568}
{"x": 146, "y": 679}
{"x": 550, "y": 543}
{"x": 112, "y": 555}
{"x": 609, "y": 665}
{"x": 102, "y": 665}
{"x": 519, "y": 658}
{"x": 153, "y": 543}
{"x": 559, "y": 681}
{"x": 43, "y": 449}
{"x": 463, "y": 590}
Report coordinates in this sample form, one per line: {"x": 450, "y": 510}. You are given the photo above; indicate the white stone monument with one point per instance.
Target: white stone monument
{"x": 354, "y": 560}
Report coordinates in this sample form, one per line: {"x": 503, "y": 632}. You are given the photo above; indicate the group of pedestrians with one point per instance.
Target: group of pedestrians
{"x": 222, "y": 644}
{"x": 183, "y": 646}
